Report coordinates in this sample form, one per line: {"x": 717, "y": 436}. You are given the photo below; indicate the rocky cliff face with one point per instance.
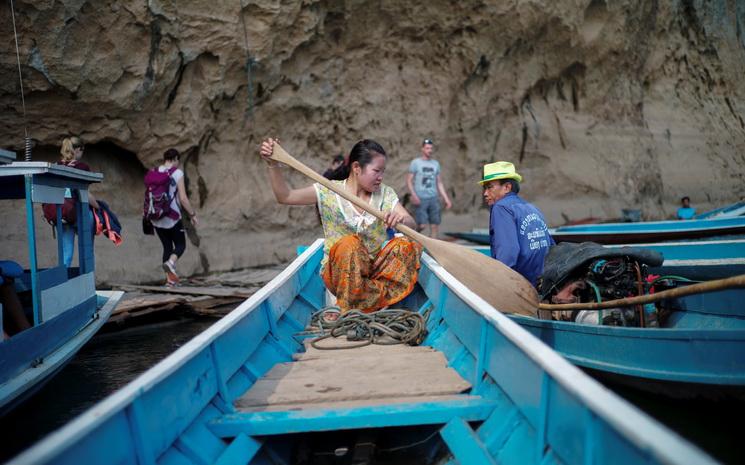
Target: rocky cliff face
{"x": 600, "y": 104}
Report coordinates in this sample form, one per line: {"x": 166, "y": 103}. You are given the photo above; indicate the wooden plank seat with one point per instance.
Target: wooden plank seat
{"x": 364, "y": 387}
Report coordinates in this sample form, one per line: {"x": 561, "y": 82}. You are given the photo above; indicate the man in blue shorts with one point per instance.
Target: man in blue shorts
{"x": 518, "y": 233}
{"x": 424, "y": 184}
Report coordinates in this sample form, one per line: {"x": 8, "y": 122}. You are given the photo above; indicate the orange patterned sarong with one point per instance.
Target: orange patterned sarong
{"x": 369, "y": 285}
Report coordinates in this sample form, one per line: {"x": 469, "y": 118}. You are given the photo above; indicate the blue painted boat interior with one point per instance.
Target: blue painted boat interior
{"x": 527, "y": 405}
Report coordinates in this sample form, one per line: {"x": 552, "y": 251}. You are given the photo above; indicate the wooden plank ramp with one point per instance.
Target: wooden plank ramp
{"x": 372, "y": 375}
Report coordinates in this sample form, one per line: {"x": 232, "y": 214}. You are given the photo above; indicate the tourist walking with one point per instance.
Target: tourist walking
{"x": 165, "y": 200}
{"x": 71, "y": 155}
{"x": 424, "y": 183}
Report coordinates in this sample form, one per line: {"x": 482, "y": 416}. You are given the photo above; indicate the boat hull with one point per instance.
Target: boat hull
{"x": 33, "y": 357}
{"x": 674, "y": 362}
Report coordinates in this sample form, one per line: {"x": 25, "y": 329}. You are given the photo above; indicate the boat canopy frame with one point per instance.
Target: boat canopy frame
{"x": 43, "y": 182}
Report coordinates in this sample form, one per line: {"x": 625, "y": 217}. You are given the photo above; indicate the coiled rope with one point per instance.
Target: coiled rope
{"x": 384, "y": 327}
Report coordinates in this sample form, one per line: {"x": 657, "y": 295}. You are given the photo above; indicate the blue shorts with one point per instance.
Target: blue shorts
{"x": 9, "y": 270}
{"x": 428, "y": 211}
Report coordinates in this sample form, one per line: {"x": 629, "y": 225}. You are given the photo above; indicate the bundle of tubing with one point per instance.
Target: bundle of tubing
{"x": 700, "y": 288}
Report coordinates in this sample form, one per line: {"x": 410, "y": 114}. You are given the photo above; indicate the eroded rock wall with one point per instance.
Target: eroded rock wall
{"x": 602, "y": 105}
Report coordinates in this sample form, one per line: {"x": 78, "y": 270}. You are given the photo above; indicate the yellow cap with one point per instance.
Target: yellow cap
{"x": 500, "y": 170}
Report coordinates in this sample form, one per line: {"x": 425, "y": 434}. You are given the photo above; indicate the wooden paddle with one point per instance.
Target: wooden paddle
{"x": 699, "y": 288}
{"x": 499, "y": 285}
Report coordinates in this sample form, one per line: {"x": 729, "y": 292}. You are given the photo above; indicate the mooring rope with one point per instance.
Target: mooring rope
{"x": 249, "y": 64}
{"x": 26, "y": 139}
{"x": 384, "y": 327}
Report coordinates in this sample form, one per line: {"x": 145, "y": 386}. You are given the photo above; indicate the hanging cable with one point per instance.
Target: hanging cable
{"x": 27, "y": 139}
{"x": 249, "y": 65}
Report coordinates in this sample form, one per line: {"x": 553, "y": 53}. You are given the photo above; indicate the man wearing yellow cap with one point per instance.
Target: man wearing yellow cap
{"x": 518, "y": 233}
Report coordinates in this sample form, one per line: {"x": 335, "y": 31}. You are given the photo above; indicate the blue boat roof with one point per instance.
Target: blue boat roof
{"x": 7, "y": 156}
{"x": 20, "y": 168}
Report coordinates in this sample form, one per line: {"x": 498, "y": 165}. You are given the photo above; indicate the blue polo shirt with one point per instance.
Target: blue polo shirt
{"x": 686, "y": 213}
{"x": 519, "y": 236}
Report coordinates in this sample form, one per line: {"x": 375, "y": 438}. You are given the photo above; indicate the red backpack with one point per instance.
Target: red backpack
{"x": 69, "y": 215}
{"x": 157, "y": 202}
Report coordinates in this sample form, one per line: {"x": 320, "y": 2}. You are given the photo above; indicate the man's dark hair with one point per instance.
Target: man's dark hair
{"x": 515, "y": 184}
{"x": 171, "y": 154}
{"x": 338, "y": 159}
{"x": 685, "y": 198}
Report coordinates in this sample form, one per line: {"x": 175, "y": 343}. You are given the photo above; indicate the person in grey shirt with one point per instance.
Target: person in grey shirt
{"x": 424, "y": 183}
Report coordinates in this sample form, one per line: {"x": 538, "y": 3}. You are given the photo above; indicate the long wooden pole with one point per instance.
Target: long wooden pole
{"x": 500, "y": 286}
{"x": 700, "y": 288}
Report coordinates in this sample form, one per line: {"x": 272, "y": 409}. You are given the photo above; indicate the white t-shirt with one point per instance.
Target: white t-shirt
{"x": 167, "y": 222}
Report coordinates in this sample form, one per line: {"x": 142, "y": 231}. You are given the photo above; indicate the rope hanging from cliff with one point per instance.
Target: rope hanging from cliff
{"x": 249, "y": 65}
{"x": 384, "y": 327}
{"x": 26, "y": 139}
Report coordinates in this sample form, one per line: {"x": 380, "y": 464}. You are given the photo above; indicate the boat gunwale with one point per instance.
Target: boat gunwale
{"x": 635, "y": 332}
{"x": 640, "y": 225}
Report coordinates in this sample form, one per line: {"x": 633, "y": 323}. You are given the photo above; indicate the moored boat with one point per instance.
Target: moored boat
{"x": 698, "y": 349}
{"x": 60, "y": 304}
{"x": 633, "y": 233}
{"x": 649, "y": 231}
{"x": 735, "y": 209}
{"x": 244, "y": 392}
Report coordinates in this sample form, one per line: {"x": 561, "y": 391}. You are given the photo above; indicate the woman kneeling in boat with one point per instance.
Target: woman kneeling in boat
{"x": 356, "y": 268}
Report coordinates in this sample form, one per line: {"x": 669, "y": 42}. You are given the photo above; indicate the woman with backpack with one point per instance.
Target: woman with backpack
{"x": 72, "y": 152}
{"x": 164, "y": 199}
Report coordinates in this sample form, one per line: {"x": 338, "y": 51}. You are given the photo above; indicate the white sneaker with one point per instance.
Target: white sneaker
{"x": 168, "y": 267}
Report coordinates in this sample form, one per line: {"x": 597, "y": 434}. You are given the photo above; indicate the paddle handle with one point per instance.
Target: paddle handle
{"x": 700, "y": 288}
{"x": 279, "y": 154}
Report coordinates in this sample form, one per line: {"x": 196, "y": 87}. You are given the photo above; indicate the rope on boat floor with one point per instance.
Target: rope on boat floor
{"x": 384, "y": 327}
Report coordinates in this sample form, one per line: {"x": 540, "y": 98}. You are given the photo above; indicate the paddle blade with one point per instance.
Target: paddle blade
{"x": 500, "y": 286}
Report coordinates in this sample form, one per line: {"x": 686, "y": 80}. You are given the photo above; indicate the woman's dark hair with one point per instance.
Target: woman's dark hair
{"x": 363, "y": 153}
{"x": 171, "y": 154}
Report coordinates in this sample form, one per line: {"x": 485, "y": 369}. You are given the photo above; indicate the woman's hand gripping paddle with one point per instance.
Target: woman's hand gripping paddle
{"x": 499, "y": 285}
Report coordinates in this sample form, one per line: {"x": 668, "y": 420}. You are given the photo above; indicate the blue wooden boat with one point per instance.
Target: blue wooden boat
{"x": 735, "y": 209}
{"x": 632, "y": 233}
{"x": 698, "y": 351}
{"x": 649, "y": 231}
{"x": 62, "y": 304}
{"x": 477, "y": 236}
{"x": 517, "y": 401}
{"x": 698, "y": 260}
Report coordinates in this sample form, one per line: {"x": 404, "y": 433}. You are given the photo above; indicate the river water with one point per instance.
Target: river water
{"x": 110, "y": 360}
{"x": 107, "y": 362}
